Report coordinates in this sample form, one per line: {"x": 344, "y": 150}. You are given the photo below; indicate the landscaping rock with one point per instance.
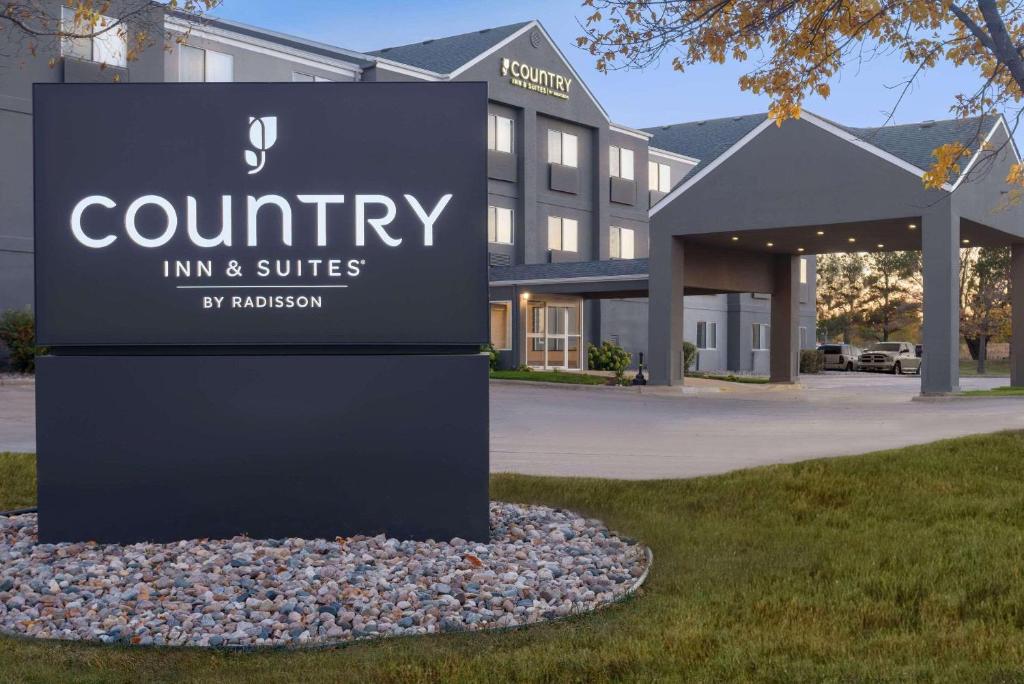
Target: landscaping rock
{"x": 541, "y": 563}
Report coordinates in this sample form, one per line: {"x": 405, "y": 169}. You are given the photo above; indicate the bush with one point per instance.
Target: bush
{"x": 811, "y": 361}
{"x": 689, "y": 356}
{"x": 18, "y": 333}
{"x": 492, "y": 355}
{"x": 608, "y": 357}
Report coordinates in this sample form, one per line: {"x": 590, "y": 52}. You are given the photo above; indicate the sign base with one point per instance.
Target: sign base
{"x": 163, "y": 448}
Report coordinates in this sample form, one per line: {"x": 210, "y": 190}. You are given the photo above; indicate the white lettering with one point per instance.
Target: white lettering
{"x": 133, "y": 231}
{"x": 76, "y": 221}
{"x": 193, "y": 230}
{"x": 321, "y": 202}
{"x": 376, "y": 223}
{"x": 254, "y": 205}
{"x": 428, "y": 219}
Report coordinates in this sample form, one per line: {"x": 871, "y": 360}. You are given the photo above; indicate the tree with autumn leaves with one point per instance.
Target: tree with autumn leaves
{"x": 796, "y": 47}
{"x": 30, "y": 28}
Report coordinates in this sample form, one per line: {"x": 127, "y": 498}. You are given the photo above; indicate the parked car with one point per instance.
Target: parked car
{"x": 890, "y": 357}
{"x": 840, "y": 356}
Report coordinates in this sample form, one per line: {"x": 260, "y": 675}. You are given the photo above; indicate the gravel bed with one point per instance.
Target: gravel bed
{"x": 541, "y": 563}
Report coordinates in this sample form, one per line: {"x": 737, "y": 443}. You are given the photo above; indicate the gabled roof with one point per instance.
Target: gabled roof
{"x": 445, "y": 55}
{"x": 912, "y": 143}
{"x": 704, "y": 140}
{"x": 580, "y": 271}
{"x": 915, "y": 142}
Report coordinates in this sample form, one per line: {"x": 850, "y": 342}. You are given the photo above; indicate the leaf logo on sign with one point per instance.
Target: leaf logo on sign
{"x": 262, "y": 136}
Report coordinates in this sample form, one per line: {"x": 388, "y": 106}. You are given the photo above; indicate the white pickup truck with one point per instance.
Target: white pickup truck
{"x": 890, "y": 357}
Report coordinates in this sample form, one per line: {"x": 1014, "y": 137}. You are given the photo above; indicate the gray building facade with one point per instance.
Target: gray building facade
{"x": 570, "y": 192}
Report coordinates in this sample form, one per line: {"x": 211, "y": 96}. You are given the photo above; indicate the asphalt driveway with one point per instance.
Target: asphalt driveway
{"x": 603, "y": 432}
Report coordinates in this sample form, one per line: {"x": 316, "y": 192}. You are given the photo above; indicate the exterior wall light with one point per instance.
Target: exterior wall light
{"x": 526, "y": 295}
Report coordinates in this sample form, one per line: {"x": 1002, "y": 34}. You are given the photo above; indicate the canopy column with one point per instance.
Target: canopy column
{"x": 785, "y": 320}
{"x": 665, "y": 310}
{"x": 1017, "y": 314}
{"x": 940, "y": 254}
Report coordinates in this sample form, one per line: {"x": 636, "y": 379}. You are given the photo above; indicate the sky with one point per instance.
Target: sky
{"x": 655, "y": 96}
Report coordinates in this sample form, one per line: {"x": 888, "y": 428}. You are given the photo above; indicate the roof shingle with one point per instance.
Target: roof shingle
{"x": 445, "y": 55}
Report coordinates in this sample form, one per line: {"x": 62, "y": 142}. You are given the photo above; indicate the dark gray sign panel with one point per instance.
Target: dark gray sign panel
{"x": 261, "y": 214}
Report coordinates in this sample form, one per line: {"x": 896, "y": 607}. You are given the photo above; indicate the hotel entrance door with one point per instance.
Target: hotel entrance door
{"x": 553, "y": 335}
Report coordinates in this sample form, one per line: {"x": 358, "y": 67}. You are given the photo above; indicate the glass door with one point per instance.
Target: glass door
{"x": 553, "y": 335}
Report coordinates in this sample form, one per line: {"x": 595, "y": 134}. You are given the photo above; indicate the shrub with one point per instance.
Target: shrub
{"x": 811, "y": 361}
{"x": 689, "y": 356}
{"x": 18, "y": 333}
{"x": 608, "y": 357}
{"x": 492, "y": 355}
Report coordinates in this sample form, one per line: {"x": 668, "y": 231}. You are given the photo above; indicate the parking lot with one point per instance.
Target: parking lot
{"x": 711, "y": 428}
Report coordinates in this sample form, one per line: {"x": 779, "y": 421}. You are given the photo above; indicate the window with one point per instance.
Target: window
{"x": 803, "y": 270}
{"x": 499, "y": 225}
{"x": 561, "y": 148}
{"x": 707, "y": 335}
{"x": 620, "y": 243}
{"x": 620, "y": 161}
{"x": 106, "y": 47}
{"x": 501, "y": 325}
{"x": 562, "y": 234}
{"x": 659, "y": 177}
{"x": 299, "y": 77}
{"x": 499, "y": 133}
{"x": 196, "y": 65}
{"x": 761, "y": 337}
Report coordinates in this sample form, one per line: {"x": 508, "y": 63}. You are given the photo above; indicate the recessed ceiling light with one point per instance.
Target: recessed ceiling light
{"x": 735, "y": 238}
{"x": 966, "y": 241}
{"x": 821, "y": 232}
{"x": 912, "y": 226}
{"x": 851, "y": 239}
{"x": 880, "y": 245}
{"x": 799, "y": 249}
{"x": 770, "y": 244}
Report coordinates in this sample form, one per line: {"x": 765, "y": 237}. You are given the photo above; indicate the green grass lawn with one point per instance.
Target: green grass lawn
{"x": 730, "y": 377}
{"x": 902, "y": 565}
{"x": 550, "y": 376}
{"x": 1006, "y": 391}
{"x": 992, "y": 367}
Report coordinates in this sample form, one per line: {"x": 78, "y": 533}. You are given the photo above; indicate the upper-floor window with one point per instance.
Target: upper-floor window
{"x": 499, "y": 133}
{"x": 300, "y": 77}
{"x": 659, "y": 177}
{"x": 196, "y": 65}
{"x": 761, "y": 337}
{"x": 562, "y": 148}
{"x": 620, "y": 161}
{"x": 621, "y": 243}
{"x": 562, "y": 234}
{"x": 707, "y": 335}
{"x": 499, "y": 225}
{"x": 109, "y": 45}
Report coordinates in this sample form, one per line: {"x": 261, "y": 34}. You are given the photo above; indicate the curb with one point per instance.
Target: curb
{"x": 564, "y": 385}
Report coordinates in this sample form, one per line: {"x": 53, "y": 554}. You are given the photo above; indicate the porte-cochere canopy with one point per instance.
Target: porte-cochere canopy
{"x": 763, "y": 195}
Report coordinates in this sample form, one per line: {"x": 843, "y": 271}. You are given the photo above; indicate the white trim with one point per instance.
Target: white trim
{"x": 866, "y": 146}
{"x": 981, "y": 148}
{"x": 406, "y": 70}
{"x": 264, "y": 47}
{"x": 494, "y": 48}
{"x": 568, "y": 281}
{"x": 540, "y": 27}
{"x": 689, "y": 183}
{"x": 625, "y": 130}
{"x": 673, "y": 156}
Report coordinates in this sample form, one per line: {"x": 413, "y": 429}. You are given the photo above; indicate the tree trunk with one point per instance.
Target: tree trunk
{"x": 982, "y": 353}
{"x": 972, "y": 346}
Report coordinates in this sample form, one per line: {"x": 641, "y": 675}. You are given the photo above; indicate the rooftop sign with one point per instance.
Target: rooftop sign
{"x": 534, "y": 78}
